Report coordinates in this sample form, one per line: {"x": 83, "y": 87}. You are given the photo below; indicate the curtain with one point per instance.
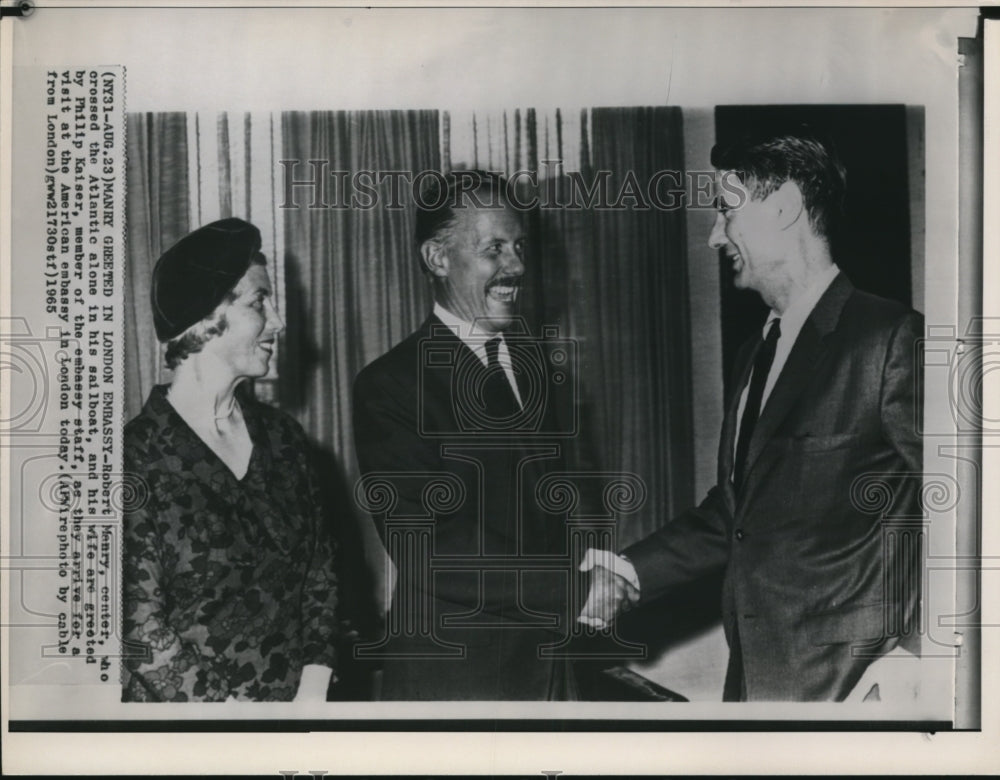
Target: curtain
{"x": 612, "y": 280}
{"x": 515, "y": 141}
{"x": 157, "y": 216}
{"x": 354, "y": 290}
{"x": 184, "y": 171}
{"x": 353, "y": 279}
{"x": 631, "y": 295}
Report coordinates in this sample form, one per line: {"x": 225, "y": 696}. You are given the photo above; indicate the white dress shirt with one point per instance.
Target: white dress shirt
{"x": 475, "y": 338}
{"x": 792, "y": 320}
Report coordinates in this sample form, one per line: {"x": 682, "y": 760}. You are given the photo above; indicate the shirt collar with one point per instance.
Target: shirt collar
{"x": 800, "y": 308}
{"x": 473, "y": 336}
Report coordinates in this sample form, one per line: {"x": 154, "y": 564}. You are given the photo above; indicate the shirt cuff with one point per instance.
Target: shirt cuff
{"x": 618, "y": 564}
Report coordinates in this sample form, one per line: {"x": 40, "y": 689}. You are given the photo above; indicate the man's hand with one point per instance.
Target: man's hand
{"x": 609, "y": 595}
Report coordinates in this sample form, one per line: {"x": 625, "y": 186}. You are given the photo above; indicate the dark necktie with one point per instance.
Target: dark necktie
{"x": 497, "y": 392}
{"x": 751, "y": 411}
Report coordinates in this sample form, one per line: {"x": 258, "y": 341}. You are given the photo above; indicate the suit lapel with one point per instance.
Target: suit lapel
{"x": 517, "y": 359}
{"x": 529, "y": 360}
{"x": 809, "y": 348}
{"x": 439, "y": 352}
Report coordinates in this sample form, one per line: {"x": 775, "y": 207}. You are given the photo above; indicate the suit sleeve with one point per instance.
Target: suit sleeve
{"x": 692, "y": 545}
{"x": 900, "y": 416}
{"x": 900, "y": 379}
{"x": 387, "y": 439}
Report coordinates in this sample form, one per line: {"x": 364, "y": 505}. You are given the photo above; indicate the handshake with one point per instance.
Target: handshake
{"x": 614, "y": 587}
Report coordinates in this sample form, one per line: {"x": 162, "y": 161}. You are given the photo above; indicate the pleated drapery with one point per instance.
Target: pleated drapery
{"x": 349, "y": 281}
{"x": 157, "y": 180}
{"x": 354, "y": 283}
{"x": 630, "y": 303}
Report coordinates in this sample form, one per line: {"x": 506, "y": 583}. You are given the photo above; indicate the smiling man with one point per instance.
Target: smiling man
{"x": 821, "y": 583}
{"x": 464, "y": 403}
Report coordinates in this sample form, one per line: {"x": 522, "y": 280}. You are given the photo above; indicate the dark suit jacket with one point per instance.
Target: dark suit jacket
{"x": 819, "y": 548}
{"x": 415, "y": 417}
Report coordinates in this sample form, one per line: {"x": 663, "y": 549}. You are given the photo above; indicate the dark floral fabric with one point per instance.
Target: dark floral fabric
{"x": 229, "y": 585}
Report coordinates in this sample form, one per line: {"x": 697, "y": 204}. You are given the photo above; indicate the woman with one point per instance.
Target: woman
{"x": 228, "y": 569}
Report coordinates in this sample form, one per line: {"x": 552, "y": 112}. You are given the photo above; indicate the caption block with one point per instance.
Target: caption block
{"x": 84, "y": 188}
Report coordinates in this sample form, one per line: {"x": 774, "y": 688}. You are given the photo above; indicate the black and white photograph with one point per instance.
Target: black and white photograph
{"x": 402, "y": 259}
{"x": 496, "y": 378}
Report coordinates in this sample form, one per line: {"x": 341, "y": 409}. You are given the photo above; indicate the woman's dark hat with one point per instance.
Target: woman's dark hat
{"x": 193, "y": 276}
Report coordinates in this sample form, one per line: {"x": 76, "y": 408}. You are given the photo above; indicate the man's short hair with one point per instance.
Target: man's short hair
{"x": 443, "y": 194}
{"x": 195, "y": 337}
{"x": 763, "y": 162}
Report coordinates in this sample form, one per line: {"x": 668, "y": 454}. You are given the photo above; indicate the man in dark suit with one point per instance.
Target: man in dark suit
{"x": 459, "y": 423}
{"x": 812, "y": 517}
